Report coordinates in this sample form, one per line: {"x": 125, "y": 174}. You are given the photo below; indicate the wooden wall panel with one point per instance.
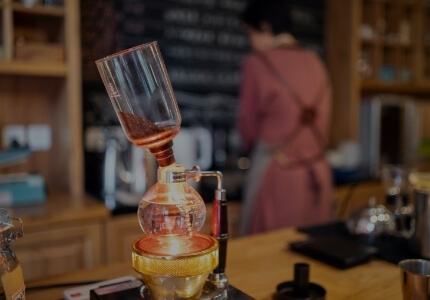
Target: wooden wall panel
{"x": 27, "y": 100}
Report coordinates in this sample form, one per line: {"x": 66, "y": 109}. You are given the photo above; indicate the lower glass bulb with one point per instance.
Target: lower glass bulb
{"x": 171, "y": 208}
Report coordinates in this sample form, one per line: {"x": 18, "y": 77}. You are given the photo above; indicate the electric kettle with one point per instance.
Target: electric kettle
{"x": 193, "y": 146}
{"x": 128, "y": 173}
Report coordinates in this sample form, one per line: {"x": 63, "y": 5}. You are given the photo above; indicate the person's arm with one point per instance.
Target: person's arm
{"x": 249, "y": 103}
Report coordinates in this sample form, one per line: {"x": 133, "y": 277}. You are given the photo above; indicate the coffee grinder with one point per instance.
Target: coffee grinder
{"x": 175, "y": 260}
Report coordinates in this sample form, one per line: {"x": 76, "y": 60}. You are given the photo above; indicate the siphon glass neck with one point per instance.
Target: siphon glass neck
{"x": 164, "y": 154}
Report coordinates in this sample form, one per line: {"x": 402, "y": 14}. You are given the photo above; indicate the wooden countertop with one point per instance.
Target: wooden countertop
{"x": 256, "y": 264}
{"x": 60, "y": 207}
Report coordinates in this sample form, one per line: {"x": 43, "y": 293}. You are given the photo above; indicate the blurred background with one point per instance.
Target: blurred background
{"x": 63, "y": 154}
{"x": 53, "y": 103}
{"x": 203, "y": 44}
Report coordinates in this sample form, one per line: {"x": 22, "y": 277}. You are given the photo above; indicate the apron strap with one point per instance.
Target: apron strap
{"x": 307, "y": 119}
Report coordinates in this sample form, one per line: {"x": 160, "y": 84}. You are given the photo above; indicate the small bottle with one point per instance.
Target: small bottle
{"x": 12, "y": 281}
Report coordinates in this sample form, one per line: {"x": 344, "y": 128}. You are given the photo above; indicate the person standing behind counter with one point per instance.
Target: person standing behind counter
{"x": 284, "y": 120}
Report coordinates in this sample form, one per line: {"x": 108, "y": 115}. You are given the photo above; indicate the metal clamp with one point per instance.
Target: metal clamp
{"x": 13, "y": 234}
{"x": 19, "y": 233}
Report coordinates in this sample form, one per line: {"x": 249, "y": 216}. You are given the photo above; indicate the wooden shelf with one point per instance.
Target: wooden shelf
{"x": 383, "y": 43}
{"x": 375, "y": 39}
{"x": 396, "y": 87}
{"x": 54, "y": 11}
{"x": 49, "y": 90}
{"x": 33, "y": 69}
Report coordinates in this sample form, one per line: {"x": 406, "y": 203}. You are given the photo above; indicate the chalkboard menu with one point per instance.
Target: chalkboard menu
{"x": 98, "y": 35}
{"x": 202, "y": 41}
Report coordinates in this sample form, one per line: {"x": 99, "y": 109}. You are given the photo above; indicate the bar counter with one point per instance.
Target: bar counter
{"x": 255, "y": 265}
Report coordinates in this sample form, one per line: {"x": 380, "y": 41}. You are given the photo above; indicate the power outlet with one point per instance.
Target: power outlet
{"x": 14, "y": 136}
{"x": 39, "y": 137}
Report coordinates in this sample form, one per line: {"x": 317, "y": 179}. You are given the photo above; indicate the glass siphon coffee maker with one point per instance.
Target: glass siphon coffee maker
{"x": 11, "y": 279}
{"x": 175, "y": 260}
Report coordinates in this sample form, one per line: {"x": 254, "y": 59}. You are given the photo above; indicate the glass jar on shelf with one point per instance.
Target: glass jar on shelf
{"x": 364, "y": 66}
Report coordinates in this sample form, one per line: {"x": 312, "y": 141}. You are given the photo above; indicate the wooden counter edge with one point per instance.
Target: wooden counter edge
{"x": 59, "y": 208}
